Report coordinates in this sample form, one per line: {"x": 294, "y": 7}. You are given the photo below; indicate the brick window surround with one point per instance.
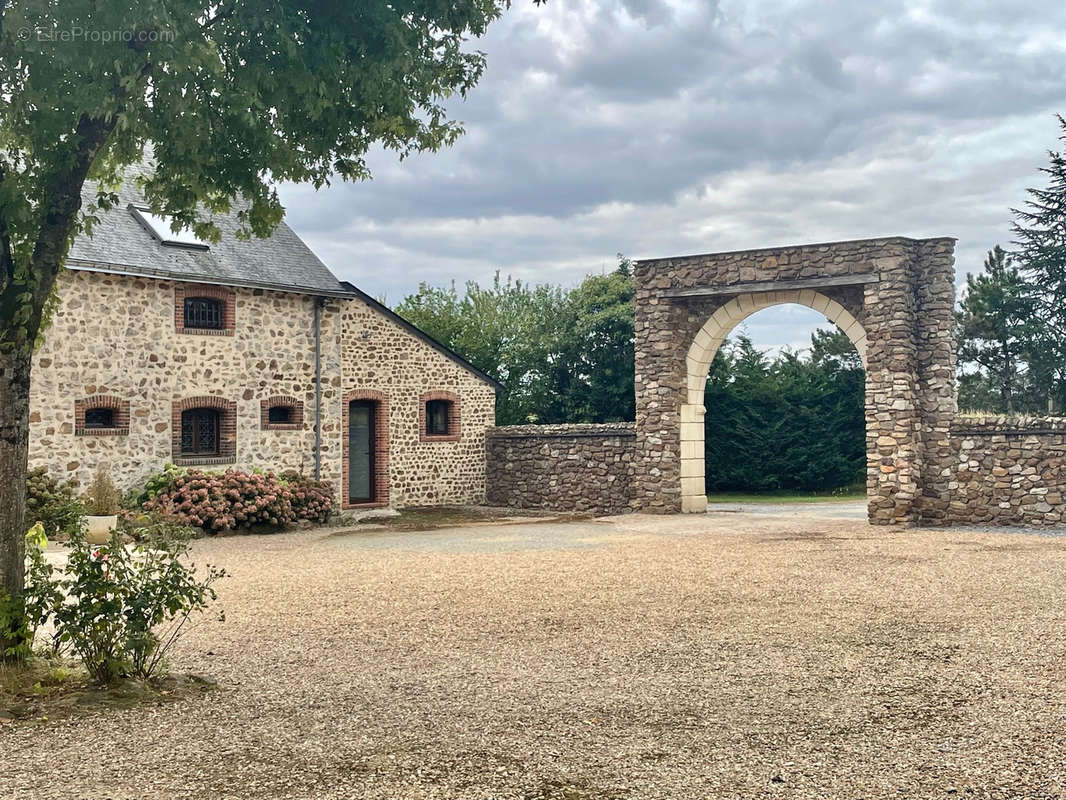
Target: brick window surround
{"x": 119, "y": 408}
{"x": 381, "y": 447}
{"x": 226, "y": 296}
{"x": 454, "y": 411}
{"x": 296, "y": 413}
{"x": 227, "y": 433}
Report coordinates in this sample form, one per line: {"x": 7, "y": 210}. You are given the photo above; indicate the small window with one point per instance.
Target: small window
{"x": 203, "y": 312}
{"x": 280, "y": 415}
{"x": 161, "y": 227}
{"x": 100, "y": 418}
{"x": 437, "y": 414}
{"x": 199, "y": 432}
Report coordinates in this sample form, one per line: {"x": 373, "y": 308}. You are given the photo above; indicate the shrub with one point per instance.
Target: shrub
{"x": 153, "y": 526}
{"x": 312, "y": 500}
{"x": 120, "y": 609}
{"x": 102, "y": 499}
{"x": 157, "y": 482}
{"x": 236, "y": 499}
{"x": 53, "y": 504}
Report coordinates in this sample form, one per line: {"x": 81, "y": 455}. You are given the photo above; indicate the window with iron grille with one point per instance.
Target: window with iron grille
{"x": 199, "y": 432}
{"x": 280, "y": 415}
{"x": 437, "y": 414}
{"x": 100, "y": 418}
{"x": 203, "y": 312}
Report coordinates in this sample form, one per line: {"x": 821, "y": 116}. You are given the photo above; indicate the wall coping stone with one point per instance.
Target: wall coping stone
{"x": 1008, "y": 426}
{"x": 626, "y": 430}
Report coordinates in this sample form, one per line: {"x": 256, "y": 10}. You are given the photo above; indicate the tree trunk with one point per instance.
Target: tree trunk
{"x": 14, "y": 453}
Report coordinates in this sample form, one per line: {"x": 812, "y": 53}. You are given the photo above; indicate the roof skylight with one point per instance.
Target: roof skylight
{"x": 160, "y": 227}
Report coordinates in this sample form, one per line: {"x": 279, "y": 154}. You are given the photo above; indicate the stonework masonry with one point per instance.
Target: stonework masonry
{"x": 1006, "y": 471}
{"x": 120, "y": 338}
{"x": 562, "y": 467}
{"x": 894, "y": 298}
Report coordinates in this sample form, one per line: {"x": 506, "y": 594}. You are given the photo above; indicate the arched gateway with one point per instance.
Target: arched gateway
{"x": 894, "y": 299}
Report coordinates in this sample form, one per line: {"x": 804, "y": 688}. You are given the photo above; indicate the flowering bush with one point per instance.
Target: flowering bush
{"x": 311, "y": 499}
{"x": 235, "y": 499}
{"x": 119, "y": 608}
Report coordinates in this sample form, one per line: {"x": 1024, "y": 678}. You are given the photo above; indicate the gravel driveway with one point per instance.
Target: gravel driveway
{"x": 727, "y": 655}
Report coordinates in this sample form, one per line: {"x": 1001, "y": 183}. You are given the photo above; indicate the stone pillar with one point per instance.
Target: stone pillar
{"x": 935, "y": 293}
{"x": 660, "y": 383}
{"x": 892, "y": 409}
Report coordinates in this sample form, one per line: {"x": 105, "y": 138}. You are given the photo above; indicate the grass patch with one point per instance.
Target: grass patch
{"x": 785, "y": 496}
{"x": 45, "y": 689}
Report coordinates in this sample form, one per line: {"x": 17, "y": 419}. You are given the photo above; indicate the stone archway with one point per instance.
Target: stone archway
{"x": 701, "y": 353}
{"x": 894, "y": 297}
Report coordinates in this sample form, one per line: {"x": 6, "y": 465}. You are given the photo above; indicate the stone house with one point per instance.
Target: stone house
{"x": 247, "y": 354}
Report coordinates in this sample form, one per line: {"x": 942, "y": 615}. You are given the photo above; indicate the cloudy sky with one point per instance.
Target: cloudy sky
{"x": 665, "y": 127}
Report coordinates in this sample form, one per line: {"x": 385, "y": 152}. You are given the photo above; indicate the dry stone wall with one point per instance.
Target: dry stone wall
{"x": 562, "y": 467}
{"x": 1005, "y": 471}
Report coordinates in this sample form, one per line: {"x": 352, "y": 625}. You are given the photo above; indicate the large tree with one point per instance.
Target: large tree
{"x": 1040, "y": 236}
{"x": 998, "y": 326}
{"x": 233, "y": 96}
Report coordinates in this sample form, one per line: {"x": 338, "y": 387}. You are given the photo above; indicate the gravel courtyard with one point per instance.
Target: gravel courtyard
{"x": 729, "y": 655}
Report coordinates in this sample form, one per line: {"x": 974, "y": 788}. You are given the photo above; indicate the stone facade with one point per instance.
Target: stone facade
{"x": 379, "y": 355}
{"x": 117, "y": 342}
{"x": 894, "y": 297}
{"x": 1006, "y": 471}
{"x": 562, "y": 467}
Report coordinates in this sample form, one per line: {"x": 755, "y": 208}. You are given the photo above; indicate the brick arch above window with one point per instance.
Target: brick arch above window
{"x": 226, "y": 297}
{"x": 226, "y": 433}
{"x": 454, "y": 415}
{"x": 381, "y": 447}
{"x": 91, "y": 417}
{"x": 295, "y": 420}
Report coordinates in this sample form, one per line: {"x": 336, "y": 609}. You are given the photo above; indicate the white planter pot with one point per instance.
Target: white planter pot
{"x": 98, "y": 529}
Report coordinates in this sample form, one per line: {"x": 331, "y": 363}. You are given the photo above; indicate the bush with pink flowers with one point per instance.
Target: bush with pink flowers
{"x": 235, "y": 499}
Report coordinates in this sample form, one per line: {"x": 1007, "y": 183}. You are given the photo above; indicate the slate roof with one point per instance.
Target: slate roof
{"x": 120, "y": 243}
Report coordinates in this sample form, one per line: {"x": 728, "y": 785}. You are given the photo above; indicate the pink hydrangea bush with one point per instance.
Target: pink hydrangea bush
{"x": 235, "y": 499}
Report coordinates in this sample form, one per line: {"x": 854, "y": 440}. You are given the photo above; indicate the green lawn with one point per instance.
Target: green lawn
{"x": 784, "y": 496}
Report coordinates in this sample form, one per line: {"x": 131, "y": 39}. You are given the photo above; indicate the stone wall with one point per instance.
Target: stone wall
{"x": 115, "y": 342}
{"x": 1006, "y": 471}
{"x": 115, "y": 336}
{"x": 562, "y": 467}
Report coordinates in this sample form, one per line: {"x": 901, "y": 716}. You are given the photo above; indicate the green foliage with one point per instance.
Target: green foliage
{"x": 593, "y": 381}
{"x": 152, "y": 526}
{"x": 235, "y": 98}
{"x": 55, "y": 505}
{"x": 1040, "y": 236}
{"x": 793, "y": 422}
{"x": 119, "y": 608}
{"x": 21, "y": 616}
{"x": 102, "y": 499}
{"x": 561, "y": 355}
{"x": 567, "y": 356}
{"x": 999, "y": 332}
{"x": 156, "y": 482}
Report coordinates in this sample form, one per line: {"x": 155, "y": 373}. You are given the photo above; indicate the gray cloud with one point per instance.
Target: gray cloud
{"x": 655, "y": 127}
